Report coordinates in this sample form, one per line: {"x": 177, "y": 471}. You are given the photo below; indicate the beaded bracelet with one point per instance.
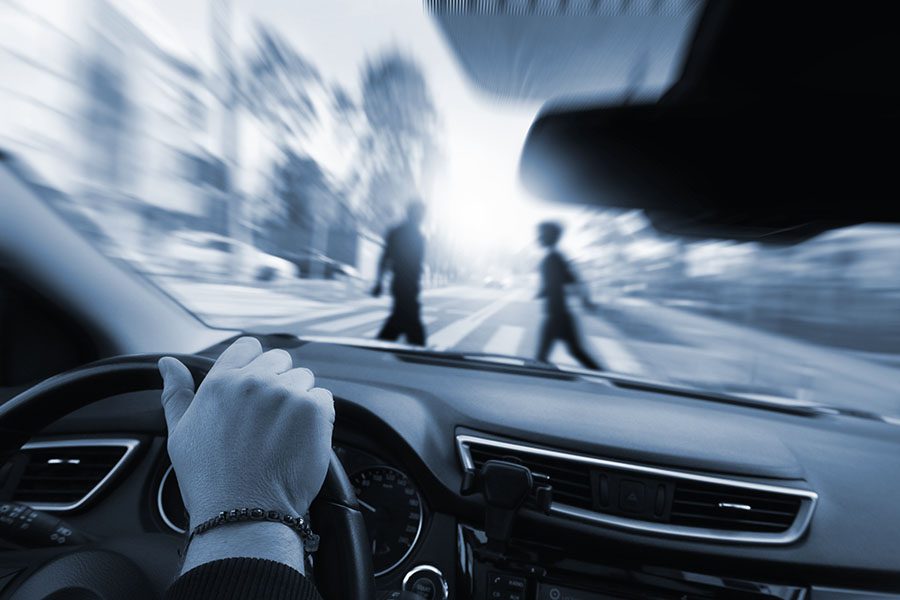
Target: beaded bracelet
{"x": 239, "y": 515}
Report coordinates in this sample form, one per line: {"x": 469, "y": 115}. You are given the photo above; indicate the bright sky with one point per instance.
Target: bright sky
{"x": 479, "y": 196}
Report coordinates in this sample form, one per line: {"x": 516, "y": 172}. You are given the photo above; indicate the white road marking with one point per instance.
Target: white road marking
{"x": 454, "y": 333}
{"x": 350, "y": 322}
{"x": 560, "y": 355}
{"x": 328, "y": 312}
{"x": 505, "y": 340}
{"x": 615, "y": 357}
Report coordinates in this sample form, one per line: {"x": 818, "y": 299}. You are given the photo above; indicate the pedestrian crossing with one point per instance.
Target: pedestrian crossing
{"x": 453, "y": 334}
{"x": 350, "y": 322}
{"x": 479, "y": 321}
{"x": 510, "y": 340}
{"x": 477, "y": 332}
{"x": 506, "y": 340}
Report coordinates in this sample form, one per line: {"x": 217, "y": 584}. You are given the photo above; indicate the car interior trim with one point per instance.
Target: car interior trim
{"x": 159, "y": 503}
{"x": 130, "y": 446}
{"x": 808, "y": 498}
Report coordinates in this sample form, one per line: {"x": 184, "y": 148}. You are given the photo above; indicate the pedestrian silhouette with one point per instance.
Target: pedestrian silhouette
{"x": 559, "y": 323}
{"x": 404, "y": 251}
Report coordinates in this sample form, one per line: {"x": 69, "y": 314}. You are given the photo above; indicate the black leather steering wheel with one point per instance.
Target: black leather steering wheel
{"x": 343, "y": 565}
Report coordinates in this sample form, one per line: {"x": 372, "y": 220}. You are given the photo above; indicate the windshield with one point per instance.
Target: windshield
{"x": 332, "y": 169}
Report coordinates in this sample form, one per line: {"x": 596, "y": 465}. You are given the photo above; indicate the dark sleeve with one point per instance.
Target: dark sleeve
{"x": 242, "y": 579}
{"x": 543, "y": 270}
{"x": 390, "y": 244}
{"x": 568, "y": 275}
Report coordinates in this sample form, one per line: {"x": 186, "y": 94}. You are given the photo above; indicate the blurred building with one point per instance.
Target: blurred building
{"x": 112, "y": 109}
{"x": 113, "y": 112}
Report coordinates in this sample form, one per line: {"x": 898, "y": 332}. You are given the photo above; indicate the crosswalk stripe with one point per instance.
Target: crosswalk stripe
{"x": 615, "y": 356}
{"x": 350, "y": 322}
{"x": 560, "y": 356}
{"x": 505, "y": 340}
{"x": 454, "y": 333}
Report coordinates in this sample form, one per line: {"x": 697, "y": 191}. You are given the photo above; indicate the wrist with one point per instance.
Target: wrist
{"x": 250, "y": 539}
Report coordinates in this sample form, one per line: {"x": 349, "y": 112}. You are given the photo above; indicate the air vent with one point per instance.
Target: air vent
{"x": 698, "y": 504}
{"x": 655, "y": 500}
{"x": 571, "y": 481}
{"x": 64, "y": 475}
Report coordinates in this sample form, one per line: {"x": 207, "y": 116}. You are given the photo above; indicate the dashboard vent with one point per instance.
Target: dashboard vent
{"x": 655, "y": 500}
{"x": 64, "y": 475}
{"x": 571, "y": 481}
{"x": 697, "y": 504}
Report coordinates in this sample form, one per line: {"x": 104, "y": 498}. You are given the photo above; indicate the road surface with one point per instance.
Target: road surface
{"x": 630, "y": 336}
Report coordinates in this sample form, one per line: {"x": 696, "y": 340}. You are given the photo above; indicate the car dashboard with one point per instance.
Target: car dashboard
{"x": 647, "y": 495}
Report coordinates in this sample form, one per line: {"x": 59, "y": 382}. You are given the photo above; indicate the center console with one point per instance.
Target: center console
{"x": 531, "y": 571}
{"x": 494, "y": 565}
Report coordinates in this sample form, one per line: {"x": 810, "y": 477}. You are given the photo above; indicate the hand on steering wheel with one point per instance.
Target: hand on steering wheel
{"x": 283, "y": 461}
{"x": 257, "y": 433}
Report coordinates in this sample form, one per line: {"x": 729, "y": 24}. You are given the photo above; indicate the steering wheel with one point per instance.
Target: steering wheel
{"x": 115, "y": 568}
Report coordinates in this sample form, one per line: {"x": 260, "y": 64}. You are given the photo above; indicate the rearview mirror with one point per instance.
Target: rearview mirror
{"x": 768, "y": 171}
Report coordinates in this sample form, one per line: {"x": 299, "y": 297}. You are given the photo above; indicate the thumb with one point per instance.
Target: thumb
{"x": 178, "y": 389}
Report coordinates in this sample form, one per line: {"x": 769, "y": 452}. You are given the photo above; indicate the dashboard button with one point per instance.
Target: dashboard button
{"x": 424, "y": 587}
{"x": 660, "y": 505}
{"x": 603, "y": 481}
{"x": 516, "y": 583}
{"x": 506, "y": 587}
{"x": 632, "y": 495}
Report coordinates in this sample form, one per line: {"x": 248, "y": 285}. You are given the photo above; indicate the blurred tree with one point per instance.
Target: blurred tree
{"x": 279, "y": 85}
{"x": 399, "y": 147}
{"x": 280, "y": 88}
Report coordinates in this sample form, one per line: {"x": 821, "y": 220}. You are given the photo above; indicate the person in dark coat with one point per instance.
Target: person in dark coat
{"x": 403, "y": 255}
{"x": 556, "y": 276}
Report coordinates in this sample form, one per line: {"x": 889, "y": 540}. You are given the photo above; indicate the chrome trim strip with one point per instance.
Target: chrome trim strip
{"x": 807, "y": 498}
{"x": 159, "y": 504}
{"x": 130, "y": 446}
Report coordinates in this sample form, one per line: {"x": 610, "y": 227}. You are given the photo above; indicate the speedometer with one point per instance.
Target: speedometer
{"x": 392, "y": 508}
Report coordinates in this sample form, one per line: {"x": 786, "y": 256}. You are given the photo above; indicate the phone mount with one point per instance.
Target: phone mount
{"x": 506, "y": 486}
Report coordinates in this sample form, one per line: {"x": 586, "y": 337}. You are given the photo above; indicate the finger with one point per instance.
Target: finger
{"x": 239, "y": 354}
{"x": 178, "y": 389}
{"x": 273, "y": 361}
{"x": 325, "y": 401}
{"x": 299, "y": 379}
